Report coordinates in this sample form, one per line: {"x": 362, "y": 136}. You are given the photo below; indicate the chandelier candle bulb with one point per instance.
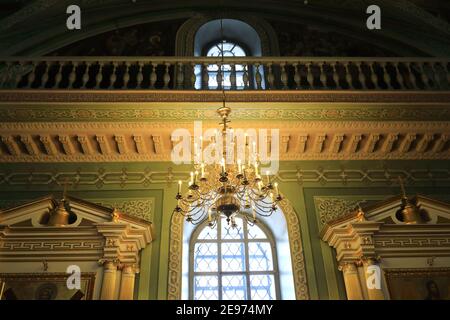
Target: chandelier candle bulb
{"x": 195, "y": 177}
{"x": 179, "y": 186}
{"x": 239, "y": 166}
{"x": 203, "y": 171}
{"x": 192, "y": 178}
{"x": 209, "y": 215}
{"x": 268, "y": 177}
{"x": 223, "y": 165}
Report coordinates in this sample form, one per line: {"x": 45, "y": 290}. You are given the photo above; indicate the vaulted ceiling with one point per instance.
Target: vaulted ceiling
{"x": 38, "y": 27}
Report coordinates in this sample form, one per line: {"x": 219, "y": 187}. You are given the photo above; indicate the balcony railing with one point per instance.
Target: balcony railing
{"x": 247, "y": 73}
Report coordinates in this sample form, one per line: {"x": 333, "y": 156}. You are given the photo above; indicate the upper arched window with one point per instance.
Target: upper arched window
{"x": 226, "y": 49}
{"x": 233, "y": 263}
{"x": 232, "y": 38}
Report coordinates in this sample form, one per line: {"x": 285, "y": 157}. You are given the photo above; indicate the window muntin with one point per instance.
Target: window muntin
{"x": 227, "y": 49}
{"x": 233, "y": 263}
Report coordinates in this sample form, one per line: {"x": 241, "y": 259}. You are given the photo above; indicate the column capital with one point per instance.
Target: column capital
{"x": 347, "y": 266}
{"x": 109, "y": 263}
{"x": 369, "y": 260}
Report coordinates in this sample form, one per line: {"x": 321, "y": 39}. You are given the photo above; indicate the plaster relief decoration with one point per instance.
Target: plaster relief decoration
{"x": 139, "y": 208}
{"x": 330, "y": 208}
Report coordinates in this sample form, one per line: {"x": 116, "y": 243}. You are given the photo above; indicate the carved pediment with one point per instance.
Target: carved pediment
{"x": 71, "y": 226}
{"x": 387, "y": 212}
{"x": 82, "y": 213}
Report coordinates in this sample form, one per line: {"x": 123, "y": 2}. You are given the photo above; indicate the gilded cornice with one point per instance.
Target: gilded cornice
{"x": 367, "y": 96}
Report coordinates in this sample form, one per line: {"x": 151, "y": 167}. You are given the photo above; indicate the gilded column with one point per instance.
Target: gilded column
{"x": 109, "y": 280}
{"x": 127, "y": 282}
{"x": 351, "y": 280}
{"x": 372, "y": 274}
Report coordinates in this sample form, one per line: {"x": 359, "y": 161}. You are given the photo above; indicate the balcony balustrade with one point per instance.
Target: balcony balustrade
{"x": 205, "y": 73}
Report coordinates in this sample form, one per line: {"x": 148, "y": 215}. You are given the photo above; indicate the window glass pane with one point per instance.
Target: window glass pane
{"x": 262, "y": 287}
{"x": 228, "y": 232}
{"x": 206, "y": 288}
{"x": 208, "y": 234}
{"x": 260, "y": 256}
{"x": 234, "y": 287}
{"x": 233, "y": 256}
{"x": 255, "y": 232}
{"x": 205, "y": 257}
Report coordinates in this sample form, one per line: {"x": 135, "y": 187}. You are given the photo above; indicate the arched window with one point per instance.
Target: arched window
{"x": 226, "y": 49}
{"x": 229, "y": 263}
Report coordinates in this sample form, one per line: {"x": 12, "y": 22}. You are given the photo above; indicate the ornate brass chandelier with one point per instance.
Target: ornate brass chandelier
{"x": 228, "y": 189}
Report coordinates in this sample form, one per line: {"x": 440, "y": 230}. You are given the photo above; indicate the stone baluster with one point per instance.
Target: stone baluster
{"x": 153, "y": 75}
{"x": 219, "y": 76}
{"x": 310, "y": 75}
{"x": 85, "y": 77}
{"x": 140, "y": 74}
{"x": 193, "y": 75}
{"x": 180, "y": 76}
{"x": 416, "y": 79}
{"x": 166, "y": 77}
{"x": 401, "y": 77}
{"x": 113, "y": 76}
{"x": 423, "y": 75}
{"x": 126, "y": 75}
{"x": 373, "y": 75}
{"x": 99, "y": 76}
{"x": 32, "y": 75}
{"x": 270, "y": 76}
{"x": 284, "y": 76}
{"x": 387, "y": 78}
{"x": 205, "y": 77}
{"x": 323, "y": 75}
{"x": 246, "y": 77}
{"x": 336, "y": 75}
{"x": 361, "y": 76}
{"x": 19, "y": 74}
{"x": 58, "y": 75}
{"x": 297, "y": 76}
{"x": 258, "y": 77}
{"x": 348, "y": 75}
{"x": 72, "y": 75}
{"x": 437, "y": 75}
{"x": 45, "y": 74}
{"x": 233, "y": 76}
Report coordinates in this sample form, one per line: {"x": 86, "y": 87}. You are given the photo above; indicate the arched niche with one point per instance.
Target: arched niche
{"x": 294, "y": 263}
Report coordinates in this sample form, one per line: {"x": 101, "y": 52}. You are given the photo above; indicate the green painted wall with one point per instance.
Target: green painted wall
{"x": 316, "y": 189}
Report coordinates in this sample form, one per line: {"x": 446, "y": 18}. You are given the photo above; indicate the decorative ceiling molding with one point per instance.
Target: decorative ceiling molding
{"x": 145, "y": 177}
{"x": 135, "y": 142}
{"x": 298, "y": 96}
